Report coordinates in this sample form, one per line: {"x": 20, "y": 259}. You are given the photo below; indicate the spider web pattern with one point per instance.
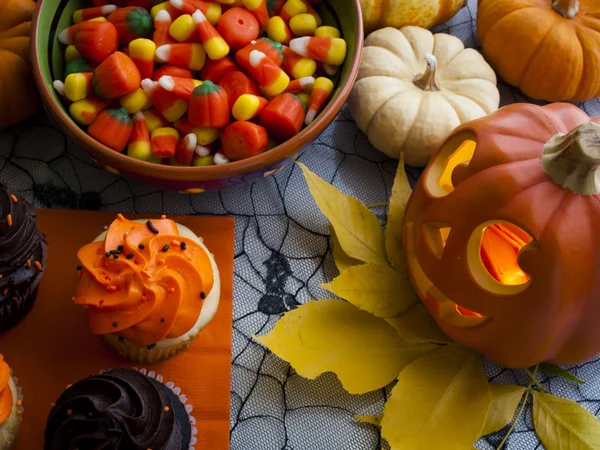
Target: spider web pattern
{"x": 282, "y": 255}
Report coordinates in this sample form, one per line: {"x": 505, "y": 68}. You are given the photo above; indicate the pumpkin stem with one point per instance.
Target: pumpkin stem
{"x": 427, "y": 81}
{"x": 566, "y": 8}
{"x": 573, "y": 160}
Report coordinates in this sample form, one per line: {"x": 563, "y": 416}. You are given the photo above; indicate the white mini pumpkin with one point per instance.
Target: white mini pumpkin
{"x": 414, "y": 88}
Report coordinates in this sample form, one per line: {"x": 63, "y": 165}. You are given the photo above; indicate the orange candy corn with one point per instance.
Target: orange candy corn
{"x": 214, "y": 44}
{"x": 301, "y": 85}
{"x": 236, "y": 84}
{"x": 170, "y": 106}
{"x": 323, "y": 49}
{"x": 116, "y": 76}
{"x": 91, "y": 13}
{"x": 272, "y": 49}
{"x": 172, "y": 71}
{"x": 318, "y": 98}
{"x": 164, "y": 141}
{"x": 85, "y": 111}
{"x": 215, "y": 70}
{"x": 131, "y": 23}
{"x": 186, "y": 149}
{"x": 181, "y": 87}
{"x": 208, "y": 106}
{"x": 269, "y": 75}
{"x": 188, "y": 56}
{"x": 211, "y": 10}
{"x": 112, "y": 128}
{"x": 139, "y": 142}
{"x": 243, "y": 140}
{"x": 162, "y": 23}
{"x": 154, "y": 119}
{"x": 283, "y": 117}
{"x": 94, "y": 41}
{"x": 259, "y": 10}
{"x": 142, "y": 52}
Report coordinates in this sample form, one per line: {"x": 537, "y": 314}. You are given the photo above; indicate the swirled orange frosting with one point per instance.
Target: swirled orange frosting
{"x": 6, "y": 396}
{"x": 153, "y": 289}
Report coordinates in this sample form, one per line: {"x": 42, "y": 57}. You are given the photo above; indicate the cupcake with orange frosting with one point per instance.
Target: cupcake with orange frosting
{"x": 11, "y": 409}
{"x": 148, "y": 287}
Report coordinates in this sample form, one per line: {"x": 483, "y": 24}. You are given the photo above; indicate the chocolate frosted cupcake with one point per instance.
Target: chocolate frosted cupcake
{"x": 121, "y": 409}
{"x": 22, "y": 257}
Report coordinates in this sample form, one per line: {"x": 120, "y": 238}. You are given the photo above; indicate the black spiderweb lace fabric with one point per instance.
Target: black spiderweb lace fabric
{"x": 282, "y": 254}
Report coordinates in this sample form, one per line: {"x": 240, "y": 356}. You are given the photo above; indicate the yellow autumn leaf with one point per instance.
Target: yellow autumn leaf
{"x": 394, "y": 244}
{"x": 373, "y": 288}
{"x": 334, "y": 336}
{"x": 342, "y": 261}
{"x": 416, "y": 325}
{"x": 373, "y": 420}
{"x": 562, "y": 424}
{"x": 505, "y": 400}
{"x": 357, "y": 229}
{"x": 440, "y": 402}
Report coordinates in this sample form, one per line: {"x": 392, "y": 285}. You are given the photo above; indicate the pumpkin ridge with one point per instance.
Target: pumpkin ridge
{"x": 393, "y": 55}
{"x": 548, "y": 33}
{"x": 484, "y": 34}
{"x": 583, "y": 86}
{"x": 413, "y": 123}
{"x": 368, "y": 128}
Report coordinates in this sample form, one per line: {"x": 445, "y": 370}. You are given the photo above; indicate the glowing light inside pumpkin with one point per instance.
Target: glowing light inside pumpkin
{"x": 462, "y": 154}
{"x": 500, "y": 246}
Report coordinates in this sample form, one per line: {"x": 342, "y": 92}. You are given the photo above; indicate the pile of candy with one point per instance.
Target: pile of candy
{"x": 190, "y": 82}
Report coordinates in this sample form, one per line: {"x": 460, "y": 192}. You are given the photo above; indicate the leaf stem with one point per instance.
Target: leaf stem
{"x": 520, "y": 413}
{"x": 378, "y": 205}
{"x": 534, "y": 379}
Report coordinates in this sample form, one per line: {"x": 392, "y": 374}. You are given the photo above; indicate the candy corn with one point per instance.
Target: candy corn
{"x": 237, "y": 83}
{"x": 318, "y": 98}
{"x": 59, "y": 87}
{"x": 278, "y": 30}
{"x": 93, "y": 40}
{"x": 168, "y": 104}
{"x": 259, "y": 10}
{"x": 220, "y": 158}
{"x": 162, "y": 24}
{"x": 172, "y": 71}
{"x": 188, "y": 56}
{"x": 154, "y": 119}
{"x": 204, "y": 136}
{"x": 243, "y": 140}
{"x": 139, "y": 146}
{"x": 211, "y": 10}
{"x": 274, "y": 50}
{"x": 131, "y": 23}
{"x": 301, "y": 85}
{"x": 248, "y": 106}
{"x": 135, "y": 101}
{"x": 91, "y": 13}
{"x": 267, "y": 74}
{"x": 79, "y": 65}
{"x": 71, "y": 54}
{"x": 304, "y": 98}
{"x": 292, "y": 8}
{"x": 208, "y": 106}
{"x": 313, "y": 12}
{"x": 283, "y": 116}
{"x": 142, "y": 52}
{"x": 303, "y": 25}
{"x": 326, "y": 50}
{"x": 164, "y": 141}
{"x": 112, "y": 127}
{"x": 78, "y": 86}
{"x": 183, "y": 29}
{"x": 181, "y": 87}
{"x": 215, "y": 46}
{"x": 85, "y": 111}
{"x": 215, "y": 70}
{"x": 116, "y": 76}
{"x": 165, "y": 6}
{"x": 186, "y": 149}
{"x": 326, "y": 31}
{"x": 297, "y": 66}
{"x": 203, "y": 161}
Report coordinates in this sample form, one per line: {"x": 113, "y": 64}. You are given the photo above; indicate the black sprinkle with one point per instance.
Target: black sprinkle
{"x": 105, "y": 227}
{"x": 115, "y": 252}
{"x": 120, "y": 248}
{"x": 166, "y": 248}
{"x": 121, "y": 338}
{"x": 151, "y": 346}
{"x": 162, "y": 320}
{"x": 202, "y": 295}
{"x": 108, "y": 254}
{"x": 131, "y": 255}
{"x": 115, "y": 324}
{"x": 115, "y": 430}
{"x": 141, "y": 246}
{"x": 151, "y": 227}
{"x": 79, "y": 267}
{"x": 183, "y": 246}
{"x": 116, "y": 256}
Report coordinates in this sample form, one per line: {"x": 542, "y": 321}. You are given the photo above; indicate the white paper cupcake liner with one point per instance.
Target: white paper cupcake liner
{"x": 135, "y": 353}
{"x": 9, "y": 430}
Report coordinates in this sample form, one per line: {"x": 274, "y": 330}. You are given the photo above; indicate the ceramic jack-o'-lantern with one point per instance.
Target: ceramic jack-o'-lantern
{"x": 502, "y": 235}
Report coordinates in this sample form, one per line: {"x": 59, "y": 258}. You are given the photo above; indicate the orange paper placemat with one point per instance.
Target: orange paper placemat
{"x": 53, "y": 347}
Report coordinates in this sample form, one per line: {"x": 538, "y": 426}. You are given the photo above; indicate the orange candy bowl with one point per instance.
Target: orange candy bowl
{"x": 53, "y": 16}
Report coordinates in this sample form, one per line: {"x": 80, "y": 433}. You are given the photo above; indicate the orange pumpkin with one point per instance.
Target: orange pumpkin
{"x": 400, "y": 13}
{"x": 502, "y": 235}
{"x": 18, "y": 94}
{"x": 547, "y": 48}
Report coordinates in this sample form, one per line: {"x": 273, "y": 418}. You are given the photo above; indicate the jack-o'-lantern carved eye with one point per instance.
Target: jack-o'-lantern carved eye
{"x": 492, "y": 255}
{"x": 436, "y": 235}
{"x": 456, "y": 153}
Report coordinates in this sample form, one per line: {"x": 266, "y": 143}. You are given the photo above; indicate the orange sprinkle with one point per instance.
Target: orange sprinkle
{"x": 9, "y": 220}
{"x": 171, "y": 290}
{"x": 52, "y": 405}
{"x": 163, "y": 217}
{"x": 28, "y": 263}
{"x": 166, "y": 408}
{"x": 69, "y": 412}
{"x": 38, "y": 265}
{"x": 14, "y": 198}
{"x": 111, "y": 288}
{"x": 19, "y": 402}
{"x": 1, "y": 275}
{"x": 120, "y": 216}
{"x": 19, "y": 412}
{"x": 175, "y": 243}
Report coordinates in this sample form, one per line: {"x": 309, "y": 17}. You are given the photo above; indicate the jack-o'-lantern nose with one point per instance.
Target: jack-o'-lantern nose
{"x": 573, "y": 160}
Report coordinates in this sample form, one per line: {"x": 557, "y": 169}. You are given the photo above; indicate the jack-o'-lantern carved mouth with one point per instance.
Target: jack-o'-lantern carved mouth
{"x": 492, "y": 249}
